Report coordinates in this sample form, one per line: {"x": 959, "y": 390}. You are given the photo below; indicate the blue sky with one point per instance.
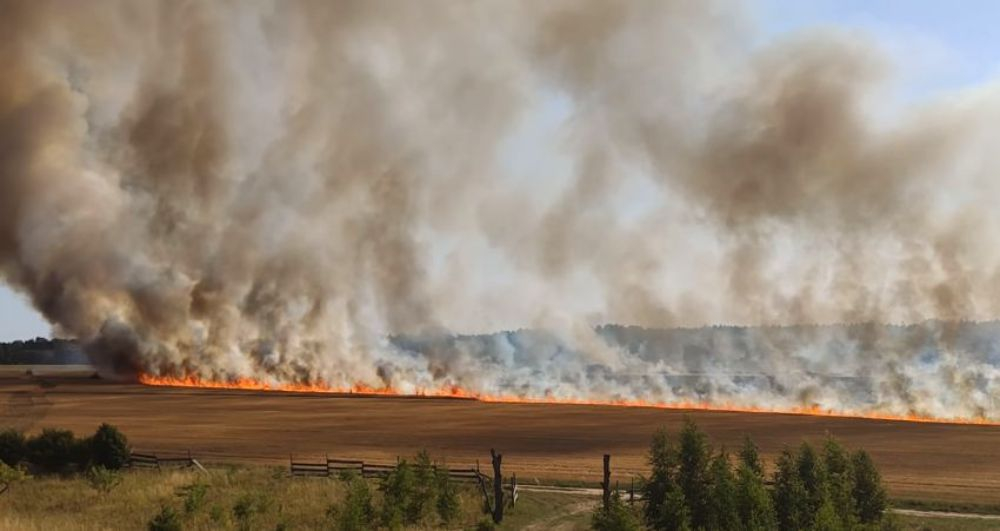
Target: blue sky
{"x": 937, "y": 46}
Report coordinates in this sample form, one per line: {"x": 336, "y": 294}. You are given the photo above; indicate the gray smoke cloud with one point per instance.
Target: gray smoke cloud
{"x": 305, "y": 191}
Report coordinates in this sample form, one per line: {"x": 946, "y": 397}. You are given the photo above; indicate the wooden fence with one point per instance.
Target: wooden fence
{"x": 331, "y": 467}
{"x": 152, "y": 461}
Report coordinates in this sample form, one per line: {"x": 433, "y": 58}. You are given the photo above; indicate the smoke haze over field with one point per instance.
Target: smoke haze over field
{"x": 276, "y": 190}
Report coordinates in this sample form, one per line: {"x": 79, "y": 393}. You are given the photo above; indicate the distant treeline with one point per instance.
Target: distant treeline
{"x": 41, "y": 351}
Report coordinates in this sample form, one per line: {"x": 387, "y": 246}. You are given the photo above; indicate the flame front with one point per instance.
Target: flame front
{"x": 250, "y": 384}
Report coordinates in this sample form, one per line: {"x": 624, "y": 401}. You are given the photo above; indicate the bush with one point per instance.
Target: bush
{"x": 244, "y": 510}
{"x": 447, "y": 498}
{"x": 485, "y": 524}
{"x": 616, "y": 517}
{"x": 9, "y": 474}
{"x": 357, "y": 513}
{"x": 194, "y": 497}
{"x": 55, "y": 450}
{"x": 109, "y": 448}
{"x": 398, "y": 490}
{"x": 103, "y": 480}
{"x": 165, "y": 520}
{"x": 12, "y": 447}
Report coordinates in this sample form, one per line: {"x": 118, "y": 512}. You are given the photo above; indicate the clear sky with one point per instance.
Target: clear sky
{"x": 937, "y": 45}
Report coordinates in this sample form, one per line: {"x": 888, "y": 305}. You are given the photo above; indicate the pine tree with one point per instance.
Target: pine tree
{"x": 665, "y": 507}
{"x": 615, "y": 517}
{"x": 791, "y": 501}
{"x": 753, "y": 502}
{"x": 840, "y": 482}
{"x": 694, "y": 454}
{"x": 812, "y": 474}
{"x": 723, "y": 513}
{"x": 869, "y": 494}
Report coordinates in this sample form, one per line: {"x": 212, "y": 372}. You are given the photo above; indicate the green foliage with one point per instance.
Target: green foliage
{"x": 826, "y": 519}
{"x": 421, "y": 506}
{"x": 812, "y": 474}
{"x": 868, "y": 492}
{"x": 722, "y": 514}
{"x": 103, "y": 480}
{"x": 12, "y": 447}
{"x": 109, "y": 448}
{"x": 397, "y": 490}
{"x": 692, "y": 474}
{"x": 663, "y": 464}
{"x": 791, "y": 500}
{"x": 485, "y": 524}
{"x": 447, "y": 504}
{"x": 193, "y": 497}
{"x": 616, "y": 517}
{"x": 356, "y": 513}
{"x": 753, "y": 503}
{"x": 840, "y": 482}
{"x": 246, "y": 508}
{"x": 10, "y": 474}
{"x": 166, "y": 520}
{"x": 55, "y": 450}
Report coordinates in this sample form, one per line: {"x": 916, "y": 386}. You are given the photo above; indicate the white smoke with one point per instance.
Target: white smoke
{"x": 287, "y": 191}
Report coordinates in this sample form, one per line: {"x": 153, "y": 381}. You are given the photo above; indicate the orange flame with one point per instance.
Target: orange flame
{"x": 250, "y": 384}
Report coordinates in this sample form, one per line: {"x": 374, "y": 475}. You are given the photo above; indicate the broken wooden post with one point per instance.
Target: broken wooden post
{"x": 606, "y": 484}
{"x": 631, "y": 492}
{"x": 497, "y": 487}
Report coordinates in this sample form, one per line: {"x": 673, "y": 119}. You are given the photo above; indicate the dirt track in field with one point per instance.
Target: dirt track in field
{"x": 926, "y": 461}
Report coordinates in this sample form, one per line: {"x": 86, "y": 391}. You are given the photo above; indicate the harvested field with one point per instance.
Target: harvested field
{"x": 549, "y": 442}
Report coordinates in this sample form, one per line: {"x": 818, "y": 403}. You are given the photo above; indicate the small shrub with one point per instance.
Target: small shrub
{"x": 357, "y": 513}
{"x": 398, "y": 490}
{"x": 103, "y": 480}
{"x": 9, "y": 474}
{"x": 53, "y": 450}
{"x": 194, "y": 497}
{"x": 217, "y": 514}
{"x": 12, "y": 447}
{"x": 109, "y": 448}
{"x": 244, "y": 511}
{"x": 447, "y": 504}
{"x": 485, "y": 524}
{"x": 616, "y": 517}
{"x": 166, "y": 520}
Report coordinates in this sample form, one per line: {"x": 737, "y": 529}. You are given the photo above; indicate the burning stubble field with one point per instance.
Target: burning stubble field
{"x": 544, "y": 443}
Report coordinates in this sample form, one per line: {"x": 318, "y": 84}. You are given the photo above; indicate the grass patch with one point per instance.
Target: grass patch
{"x": 944, "y": 506}
{"x": 918, "y": 523}
{"x": 224, "y": 498}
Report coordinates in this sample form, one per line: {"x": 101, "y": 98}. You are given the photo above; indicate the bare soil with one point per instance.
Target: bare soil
{"x": 539, "y": 442}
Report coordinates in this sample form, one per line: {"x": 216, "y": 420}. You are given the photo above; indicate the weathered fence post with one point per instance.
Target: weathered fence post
{"x": 606, "y": 484}
{"x": 497, "y": 487}
{"x": 631, "y": 492}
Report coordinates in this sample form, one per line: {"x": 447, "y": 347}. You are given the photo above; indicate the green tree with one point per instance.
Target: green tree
{"x": 109, "y": 448}
{"x": 791, "y": 501}
{"x": 12, "y": 447}
{"x": 356, "y": 513}
{"x": 617, "y": 516}
{"x": 840, "y": 482}
{"x": 447, "y": 503}
{"x": 869, "y": 494}
{"x": 753, "y": 502}
{"x": 826, "y": 519}
{"x": 166, "y": 520}
{"x": 53, "y": 450}
{"x": 694, "y": 456}
{"x": 812, "y": 474}
{"x": 665, "y": 507}
{"x": 723, "y": 514}
{"x": 421, "y": 505}
{"x": 397, "y": 494}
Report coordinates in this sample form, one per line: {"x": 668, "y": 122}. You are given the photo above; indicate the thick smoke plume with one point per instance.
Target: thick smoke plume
{"x": 302, "y": 191}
